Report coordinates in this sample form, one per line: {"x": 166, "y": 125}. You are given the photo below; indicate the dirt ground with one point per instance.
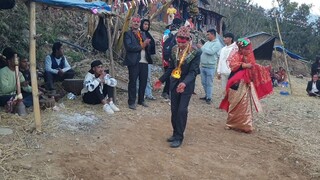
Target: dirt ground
{"x": 81, "y": 142}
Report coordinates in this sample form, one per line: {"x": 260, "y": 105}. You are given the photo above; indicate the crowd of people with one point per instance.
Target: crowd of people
{"x": 243, "y": 81}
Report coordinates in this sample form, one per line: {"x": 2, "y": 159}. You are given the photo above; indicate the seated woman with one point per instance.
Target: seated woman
{"x": 281, "y": 75}
{"x": 98, "y": 88}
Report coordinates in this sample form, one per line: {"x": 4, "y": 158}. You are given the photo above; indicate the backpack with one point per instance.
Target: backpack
{"x": 100, "y": 37}
{"x": 167, "y": 47}
{"x": 7, "y": 4}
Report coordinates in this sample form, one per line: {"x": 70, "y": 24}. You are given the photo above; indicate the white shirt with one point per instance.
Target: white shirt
{"x": 143, "y": 57}
{"x": 223, "y": 65}
{"x": 314, "y": 87}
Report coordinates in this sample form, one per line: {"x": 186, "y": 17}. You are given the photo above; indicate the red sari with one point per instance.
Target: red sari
{"x": 253, "y": 84}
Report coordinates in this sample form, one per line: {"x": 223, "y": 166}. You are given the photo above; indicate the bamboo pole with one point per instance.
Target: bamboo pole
{"x": 284, "y": 53}
{"x": 165, "y": 6}
{"x": 115, "y": 31}
{"x": 33, "y": 71}
{"x": 111, "y": 55}
{"x": 125, "y": 27}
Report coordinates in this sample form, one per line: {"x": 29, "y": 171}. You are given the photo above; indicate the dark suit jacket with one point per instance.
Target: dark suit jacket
{"x": 309, "y": 86}
{"x": 133, "y": 49}
{"x": 314, "y": 68}
{"x": 189, "y": 70}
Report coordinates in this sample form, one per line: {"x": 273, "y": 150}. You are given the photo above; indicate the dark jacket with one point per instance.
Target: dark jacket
{"x": 314, "y": 68}
{"x": 189, "y": 70}
{"x": 133, "y": 49}
{"x": 309, "y": 86}
{"x": 152, "y": 45}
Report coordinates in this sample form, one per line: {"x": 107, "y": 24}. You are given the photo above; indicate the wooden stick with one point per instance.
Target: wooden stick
{"x": 111, "y": 55}
{"x": 16, "y": 63}
{"x": 284, "y": 53}
{"x": 125, "y": 27}
{"x": 33, "y": 71}
{"x": 115, "y": 31}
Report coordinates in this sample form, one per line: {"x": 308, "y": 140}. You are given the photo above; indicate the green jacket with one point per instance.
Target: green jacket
{"x": 8, "y": 82}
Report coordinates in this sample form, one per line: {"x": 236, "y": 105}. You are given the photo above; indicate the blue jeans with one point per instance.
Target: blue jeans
{"x": 148, "y": 91}
{"x": 207, "y": 75}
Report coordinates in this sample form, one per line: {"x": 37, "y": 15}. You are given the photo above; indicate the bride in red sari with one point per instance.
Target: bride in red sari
{"x": 248, "y": 83}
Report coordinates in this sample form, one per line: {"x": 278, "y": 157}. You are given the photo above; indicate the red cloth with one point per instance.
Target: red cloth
{"x": 259, "y": 75}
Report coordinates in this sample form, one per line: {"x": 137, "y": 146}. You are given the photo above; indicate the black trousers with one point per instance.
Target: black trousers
{"x": 27, "y": 99}
{"x": 137, "y": 71}
{"x": 95, "y": 97}
{"x": 166, "y": 87}
{"x": 49, "y": 78}
{"x": 179, "y": 113}
{"x": 314, "y": 94}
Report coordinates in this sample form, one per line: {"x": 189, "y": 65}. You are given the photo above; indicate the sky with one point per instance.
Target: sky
{"x": 315, "y": 9}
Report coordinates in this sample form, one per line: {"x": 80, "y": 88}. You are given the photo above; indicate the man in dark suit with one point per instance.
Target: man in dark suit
{"x": 313, "y": 87}
{"x": 315, "y": 67}
{"x": 137, "y": 59}
{"x": 184, "y": 67}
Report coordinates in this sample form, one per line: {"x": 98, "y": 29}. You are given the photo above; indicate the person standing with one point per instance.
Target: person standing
{"x": 171, "y": 11}
{"x": 315, "y": 67}
{"x": 189, "y": 23}
{"x": 57, "y": 67}
{"x": 248, "y": 83}
{"x": 159, "y": 5}
{"x": 223, "y": 69}
{"x": 137, "y": 59}
{"x": 209, "y": 57}
{"x": 145, "y": 27}
{"x": 98, "y": 88}
{"x": 183, "y": 68}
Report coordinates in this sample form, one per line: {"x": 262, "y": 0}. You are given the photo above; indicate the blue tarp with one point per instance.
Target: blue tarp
{"x": 81, "y": 4}
{"x": 291, "y": 54}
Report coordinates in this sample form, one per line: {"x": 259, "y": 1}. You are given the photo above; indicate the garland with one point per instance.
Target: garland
{"x": 139, "y": 36}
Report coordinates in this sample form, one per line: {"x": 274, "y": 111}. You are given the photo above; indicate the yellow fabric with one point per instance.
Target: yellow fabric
{"x": 171, "y": 11}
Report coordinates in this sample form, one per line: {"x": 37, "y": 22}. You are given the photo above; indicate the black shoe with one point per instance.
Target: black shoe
{"x": 208, "y": 101}
{"x": 165, "y": 95}
{"x": 176, "y": 143}
{"x": 132, "y": 106}
{"x": 203, "y": 98}
{"x": 171, "y": 139}
{"x": 143, "y": 104}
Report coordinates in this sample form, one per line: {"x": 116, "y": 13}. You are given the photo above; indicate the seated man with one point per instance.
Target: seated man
{"x": 98, "y": 88}
{"x": 8, "y": 82}
{"x": 313, "y": 87}
{"x": 25, "y": 69}
{"x": 57, "y": 67}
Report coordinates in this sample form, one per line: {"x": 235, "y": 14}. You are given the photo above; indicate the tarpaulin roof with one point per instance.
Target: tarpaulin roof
{"x": 264, "y": 51}
{"x": 291, "y": 54}
{"x": 81, "y": 4}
